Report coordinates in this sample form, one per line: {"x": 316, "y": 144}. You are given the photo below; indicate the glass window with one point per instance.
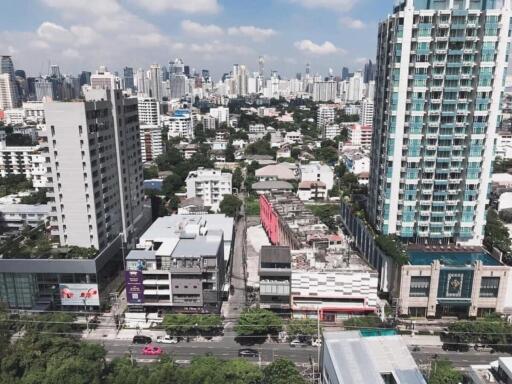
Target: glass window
{"x": 420, "y": 286}
{"x": 489, "y": 286}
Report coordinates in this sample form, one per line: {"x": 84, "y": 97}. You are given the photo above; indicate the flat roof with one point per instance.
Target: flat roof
{"x": 196, "y": 246}
{"x": 357, "y": 359}
{"x": 171, "y": 226}
{"x": 275, "y": 254}
{"x": 141, "y": 254}
{"x": 456, "y": 257}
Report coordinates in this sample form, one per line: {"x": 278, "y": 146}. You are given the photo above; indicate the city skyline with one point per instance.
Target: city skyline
{"x": 207, "y": 34}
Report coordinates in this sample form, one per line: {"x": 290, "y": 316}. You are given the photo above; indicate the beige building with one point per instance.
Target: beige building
{"x": 453, "y": 283}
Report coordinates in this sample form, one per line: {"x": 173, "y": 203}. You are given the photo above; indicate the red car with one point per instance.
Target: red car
{"x": 150, "y": 350}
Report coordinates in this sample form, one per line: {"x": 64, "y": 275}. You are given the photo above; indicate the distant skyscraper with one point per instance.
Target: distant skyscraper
{"x": 308, "y": 69}
{"x": 261, "y": 64}
{"x": 128, "y": 78}
{"x": 104, "y": 79}
{"x": 345, "y": 73}
{"x": 55, "y": 71}
{"x": 440, "y": 71}
{"x": 7, "y": 92}
{"x": 186, "y": 70}
{"x": 369, "y": 72}
{"x": 140, "y": 82}
{"x": 20, "y": 73}
{"x": 7, "y": 66}
{"x": 165, "y": 73}
{"x": 43, "y": 89}
{"x": 155, "y": 82}
{"x": 177, "y": 67}
{"x": 85, "y": 78}
{"x": 205, "y": 73}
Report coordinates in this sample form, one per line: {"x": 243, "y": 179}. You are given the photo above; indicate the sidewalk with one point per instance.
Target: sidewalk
{"x": 423, "y": 340}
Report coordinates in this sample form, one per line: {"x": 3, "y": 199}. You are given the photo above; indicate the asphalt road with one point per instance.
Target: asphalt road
{"x": 186, "y": 351}
{"x": 459, "y": 359}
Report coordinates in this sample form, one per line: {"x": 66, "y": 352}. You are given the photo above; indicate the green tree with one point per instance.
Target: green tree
{"x": 392, "y": 247}
{"x": 258, "y": 322}
{"x": 230, "y": 205}
{"x": 282, "y": 371}
{"x": 302, "y": 327}
{"x": 443, "y": 372}
{"x": 326, "y": 213}
{"x": 238, "y": 179}
{"x": 172, "y": 184}
{"x": 150, "y": 172}
{"x": 497, "y": 236}
{"x": 38, "y": 197}
{"x": 184, "y": 324}
{"x": 369, "y": 321}
{"x": 327, "y": 154}
{"x": 230, "y": 152}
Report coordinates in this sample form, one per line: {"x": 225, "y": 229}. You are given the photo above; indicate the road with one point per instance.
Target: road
{"x": 236, "y": 301}
{"x": 225, "y": 350}
{"x": 459, "y": 359}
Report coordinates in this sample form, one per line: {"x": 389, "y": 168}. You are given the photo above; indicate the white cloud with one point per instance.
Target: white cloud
{"x": 53, "y": 33}
{"x": 255, "y": 33}
{"x": 361, "y": 60}
{"x": 219, "y": 47}
{"x": 197, "y": 29}
{"x": 351, "y": 23}
{"x": 188, "y": 6}
{"x": 337, "y": 5}
{"x": 318, "y": 49}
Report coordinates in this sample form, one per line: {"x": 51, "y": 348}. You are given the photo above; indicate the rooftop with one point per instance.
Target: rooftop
{"x": 451, "y": 257}
{"x": 357, "y": 359}
{"x": 272, "y": 184}
{"x": 276, "y": 254}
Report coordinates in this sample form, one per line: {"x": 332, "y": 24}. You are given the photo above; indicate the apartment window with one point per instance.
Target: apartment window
{"x": 489, "y": 286}
{"x": 420, "y": 286}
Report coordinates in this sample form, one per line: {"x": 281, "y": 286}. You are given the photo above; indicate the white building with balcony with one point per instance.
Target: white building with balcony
{"x": 210, "y": 185}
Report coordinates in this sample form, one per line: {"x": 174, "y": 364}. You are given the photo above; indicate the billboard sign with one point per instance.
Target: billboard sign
{"x": 134, "y": 287}
{"x": 79, "y": 294}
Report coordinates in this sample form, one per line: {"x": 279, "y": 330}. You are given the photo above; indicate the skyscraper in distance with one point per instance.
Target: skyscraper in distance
{"x": 128, "y": 78}
{"x": 440, "y": 71}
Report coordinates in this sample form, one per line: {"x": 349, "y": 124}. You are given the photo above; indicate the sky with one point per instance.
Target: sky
{"x": 207, "y": 34}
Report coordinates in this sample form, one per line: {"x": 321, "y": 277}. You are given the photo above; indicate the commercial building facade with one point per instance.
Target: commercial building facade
{"x": 180, "y": 270}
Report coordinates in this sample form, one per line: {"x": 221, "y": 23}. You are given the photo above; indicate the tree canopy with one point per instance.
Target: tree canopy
{"x": 258, "y": 322}
{"x": 497, "y": 236}
{"x": 230, "y": 205}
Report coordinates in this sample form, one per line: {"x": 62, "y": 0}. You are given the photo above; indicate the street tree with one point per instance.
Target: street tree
{"x": 258, "y": 322}
{"x": 443, "y": 372}
{"x": 302, "y": 327}
{"x": 282, "y": 371}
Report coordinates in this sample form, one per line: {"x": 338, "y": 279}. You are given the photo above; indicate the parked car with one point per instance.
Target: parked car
{"x": 248, "y": 352}
{"x": 141, "y": 339}
{"x": 297, "y": 343}
{"x": 316, "y": 343}
{"x": 167, "y": 339}
{"x": 151, "y": 350}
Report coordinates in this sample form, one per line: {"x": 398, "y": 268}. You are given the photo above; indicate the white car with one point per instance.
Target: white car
{"x": 297, "y": 343}
{"x": 167, "y": 340}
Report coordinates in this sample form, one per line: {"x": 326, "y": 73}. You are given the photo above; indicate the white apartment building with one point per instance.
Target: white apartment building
{"x": 105, "y": 80}
{"x": 14, "y": 116}
{"x": 316, "y": 171}
{"x": 210, "y": 185}
{"x": 257, "y": 128}
{"x": 149, "y": 111}
{"x": 356, "y": 87}
{"x": 220, "y": 113}
{"x": 209, "y": 123}
{"x": 16, "y": 160}
{"x": 325, "y": 116}
{"x": 151, "y": 142}
{"x": 17, "y": 216}
{"x": 96, "y": 169}
{"x": 34, "y": 111}
{"x": 360, "y": 135}
{"x": 366, "y": 116}
{"x": 325, "y": 90}
{"x": 330, "y": 131}
{"x": 180, "y": 125}
{"x": 7, "y": 92}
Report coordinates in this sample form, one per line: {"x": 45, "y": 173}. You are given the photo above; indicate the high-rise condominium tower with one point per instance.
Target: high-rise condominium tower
{"x": 439, "y": 81}
{"x": 96, "y": 168}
